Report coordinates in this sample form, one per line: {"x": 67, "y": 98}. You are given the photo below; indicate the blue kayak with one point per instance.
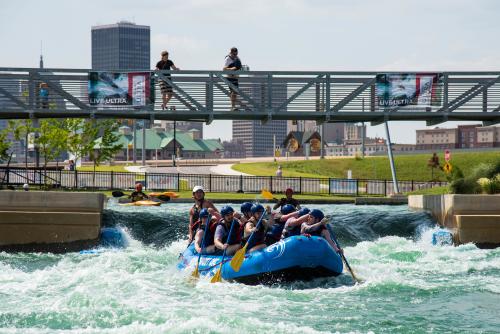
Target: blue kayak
{"x": 291, "y": 259}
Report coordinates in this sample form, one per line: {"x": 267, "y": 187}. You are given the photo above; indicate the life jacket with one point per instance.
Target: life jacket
{"x": 259, "y": 237}
{"x": 208, "y": 239}
{"x": 235, "y": 237}
{"x": 138, "y": 196}
{"x": 290, "y": 232}
{"x": 196, "y": 210}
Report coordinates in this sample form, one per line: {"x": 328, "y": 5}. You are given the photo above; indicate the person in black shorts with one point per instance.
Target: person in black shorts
{"x": 233, "y": 63}
{"x": 166, "y": 89}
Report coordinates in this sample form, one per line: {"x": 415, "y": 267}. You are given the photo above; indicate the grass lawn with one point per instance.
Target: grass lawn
{"x": 408, "y": 167}
{"x": 432, "y": 191}
{"x": 103, "y": 168}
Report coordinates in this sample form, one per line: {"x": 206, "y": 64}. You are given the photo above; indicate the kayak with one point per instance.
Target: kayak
{"x": 294, "y": 258}
{"x": 142, "y": 203}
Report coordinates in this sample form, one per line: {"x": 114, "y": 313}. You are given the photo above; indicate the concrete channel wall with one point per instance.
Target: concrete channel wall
{"x": 472, "y": 218}
{"x": 49, "y": 221}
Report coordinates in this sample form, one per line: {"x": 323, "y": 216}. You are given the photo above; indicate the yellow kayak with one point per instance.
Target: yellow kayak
{"x": 142, "y": 203}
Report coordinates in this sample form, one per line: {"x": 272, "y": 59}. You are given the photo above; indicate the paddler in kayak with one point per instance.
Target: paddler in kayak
{"x": 194, "y": 214}
{"x": 287, "y": 200}
{"x": 205, "y": 243}
{"x": 228, "y": 232}
{"x": 138, "y": 195}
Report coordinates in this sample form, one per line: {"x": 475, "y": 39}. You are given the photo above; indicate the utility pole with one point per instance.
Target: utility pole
{"x": 175, "y": 145}
{"x": 363, "y": 132}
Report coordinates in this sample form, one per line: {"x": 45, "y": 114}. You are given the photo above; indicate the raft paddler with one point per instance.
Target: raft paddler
{"x": 288, "y": 199}
{"x": 205, "y": 243}
{"x": 245, "y": 214}
{"x": 316, "y": 225}
{"x": 222, "y": 239}
{"x": 138, "y": 195}
{"x": 277, "y": 223}
{"x": 194, "y": 214}
{"x": 294, "y": 223}
{"x": 258, "y": 240}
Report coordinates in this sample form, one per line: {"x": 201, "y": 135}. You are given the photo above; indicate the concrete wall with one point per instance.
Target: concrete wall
{"x": 473, "y": 218}
{"x": 37, "y": 217}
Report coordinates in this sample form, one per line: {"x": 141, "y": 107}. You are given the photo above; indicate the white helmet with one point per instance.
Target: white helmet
{"x": 196, "y": 188}
{"x": 26, "y": 186}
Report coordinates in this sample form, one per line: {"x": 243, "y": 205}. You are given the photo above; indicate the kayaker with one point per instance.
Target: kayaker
{"x": 293, "y": 224}
{"x": 194, "y": 214}
{"x": 205, "y": 244}
{"x": 138, "y": 195}
{"x": 258, "y": 239}
{"x": 316, "y": 225}
{"x": 222, "y": 239}
{"x": 277, "y": 223}
{"x": 287, "y": 200}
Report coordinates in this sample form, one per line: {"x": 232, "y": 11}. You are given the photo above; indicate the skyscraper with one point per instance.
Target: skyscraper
{"x": 258, "y": 138}
{"x": 121, "y": 46}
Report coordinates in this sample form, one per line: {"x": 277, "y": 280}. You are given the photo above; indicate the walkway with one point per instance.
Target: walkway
{"x": 223, "y": 169}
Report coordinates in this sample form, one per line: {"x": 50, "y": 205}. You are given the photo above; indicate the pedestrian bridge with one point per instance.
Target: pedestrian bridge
{"x": 262, "y": 95}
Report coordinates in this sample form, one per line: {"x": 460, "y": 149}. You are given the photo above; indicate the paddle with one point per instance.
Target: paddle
{"x": 195, "y": 273}
{"x": 217, "y": 276}
{"x": 239, "y": 256}
{"x": 267, "y": 194}
{"x": 117, "y": 193}
{"x": 332, "y": 235}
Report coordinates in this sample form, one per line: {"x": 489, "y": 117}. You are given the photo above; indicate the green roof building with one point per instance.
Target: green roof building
{"x": 160, "y": 144}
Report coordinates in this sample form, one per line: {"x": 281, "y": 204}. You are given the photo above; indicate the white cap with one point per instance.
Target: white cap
{"x": 196, "y": 188}
{"x": 26, "y": 186}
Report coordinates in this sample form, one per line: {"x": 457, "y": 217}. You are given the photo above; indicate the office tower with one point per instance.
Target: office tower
{"x": 258, "y": 138}
{"x": 123, "y": 46}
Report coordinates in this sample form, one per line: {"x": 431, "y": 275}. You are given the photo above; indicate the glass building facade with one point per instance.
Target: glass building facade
{"x": 123, "y": 46}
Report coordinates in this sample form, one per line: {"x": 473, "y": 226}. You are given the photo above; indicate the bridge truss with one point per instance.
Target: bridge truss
{"x": 204, "y": 96}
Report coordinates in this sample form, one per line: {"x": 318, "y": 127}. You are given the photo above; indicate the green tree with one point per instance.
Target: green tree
{"x": 107, "y": 145}
{"x": 4, "y": 145}
{"x": 22, "y": 131}
{"x": 52, "y": 139}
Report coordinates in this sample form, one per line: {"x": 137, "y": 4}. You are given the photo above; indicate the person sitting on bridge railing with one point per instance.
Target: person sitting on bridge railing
{"x": 138, "y": 195}
{"x": 166, "y": 90}
{"x": 233, "y": 63}
{"x": 287, "y": 200}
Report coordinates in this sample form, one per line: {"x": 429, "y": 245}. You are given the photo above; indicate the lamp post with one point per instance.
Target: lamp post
{"x": 175, "y": 145}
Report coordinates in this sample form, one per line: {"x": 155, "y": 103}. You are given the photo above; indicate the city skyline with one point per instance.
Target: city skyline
{"x": 279, "y": 35}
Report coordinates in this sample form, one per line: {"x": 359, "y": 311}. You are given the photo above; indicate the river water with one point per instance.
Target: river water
{"x": 410, "y": 286}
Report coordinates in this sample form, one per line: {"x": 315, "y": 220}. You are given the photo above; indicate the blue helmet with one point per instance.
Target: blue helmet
{"x": 226, "y": 210}
{"x": 318, "y": 214}
{"x": 287, "y": 208}
{"x": 304, "y": 211}
{"x": 246, "y": 207}
{"x": 257, "y": 208}
{"x": 204, "y": 213}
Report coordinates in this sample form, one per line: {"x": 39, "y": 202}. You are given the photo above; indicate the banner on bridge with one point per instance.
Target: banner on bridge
{"x": 120, "y": 89}
{"x": 402, "y": 89}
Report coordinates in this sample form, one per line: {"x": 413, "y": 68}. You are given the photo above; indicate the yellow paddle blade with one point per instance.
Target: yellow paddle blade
{"x": 266, "y": 194}
{"x": 217, "y": 277}
{"x": 170, "y": 194}
{"x": 238, "y": 258}
{"x": 195, "y": 273}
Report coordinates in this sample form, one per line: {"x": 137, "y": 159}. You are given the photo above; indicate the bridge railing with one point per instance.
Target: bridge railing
{"x": 204, "y": 96}
{"x": 212, "y": 183}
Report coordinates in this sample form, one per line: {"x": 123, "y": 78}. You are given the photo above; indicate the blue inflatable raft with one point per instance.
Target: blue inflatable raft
{"x": 294, "y": 258}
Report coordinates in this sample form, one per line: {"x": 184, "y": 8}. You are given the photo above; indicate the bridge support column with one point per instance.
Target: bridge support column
{"x": 391, "y": 159}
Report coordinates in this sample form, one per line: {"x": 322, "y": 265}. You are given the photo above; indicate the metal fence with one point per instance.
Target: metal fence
{"x": 212, "y": 183}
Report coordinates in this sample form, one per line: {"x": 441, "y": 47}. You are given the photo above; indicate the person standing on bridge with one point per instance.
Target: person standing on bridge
{"x": 233, "y": 63}
{"x": 166, "y": 90}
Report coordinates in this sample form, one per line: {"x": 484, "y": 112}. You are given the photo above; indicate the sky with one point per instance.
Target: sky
{"x": 298, "y": 35}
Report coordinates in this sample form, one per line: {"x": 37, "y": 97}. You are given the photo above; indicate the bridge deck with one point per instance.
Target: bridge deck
{"x": 204, "y": 96}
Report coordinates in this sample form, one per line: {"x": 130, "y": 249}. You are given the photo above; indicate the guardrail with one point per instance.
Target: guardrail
{"x": 212, "y": 183}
